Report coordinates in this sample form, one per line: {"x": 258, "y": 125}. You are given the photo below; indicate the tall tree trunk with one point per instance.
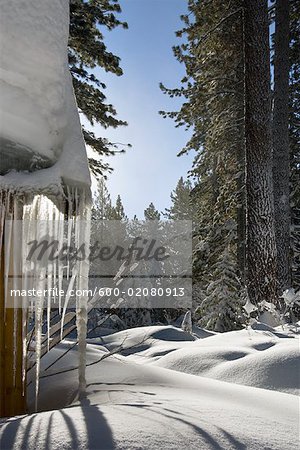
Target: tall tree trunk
{"x": 281, "y": 167}
{"x": 241, "y": 217}
{"x": 261, "y": 244}
{"x": 241, "y": 198}
{"x": 294, "y": 135}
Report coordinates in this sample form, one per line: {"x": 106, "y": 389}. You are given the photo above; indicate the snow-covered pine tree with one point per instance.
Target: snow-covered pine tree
{"x": 181, "y": 204}
{"x": 214, "y": 108}
{"x": 109, "y": 226}
{"x": 152, "y": 230}
{"x": 101, "y": 213}
{"x": 187, "y": 324}
{"x": 221, "y": 308}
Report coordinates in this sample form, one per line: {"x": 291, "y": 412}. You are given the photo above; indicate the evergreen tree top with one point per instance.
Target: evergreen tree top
{"x": 118, "y": 212}
{"x": 151, "y": 213}
{"x": 181, "y": 207}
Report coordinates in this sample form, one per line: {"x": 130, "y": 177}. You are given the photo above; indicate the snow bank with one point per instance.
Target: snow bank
{"x": 147, "y": 343}
{"x": 255, "y": 358}
{"x": 39, "y": 121}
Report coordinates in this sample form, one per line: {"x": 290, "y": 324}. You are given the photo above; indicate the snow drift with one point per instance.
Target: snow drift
{"x": 252, "y": 358}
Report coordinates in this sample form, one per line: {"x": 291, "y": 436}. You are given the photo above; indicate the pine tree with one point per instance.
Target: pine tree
{"x": 281, "y": 155}
{"x": 118, "y": 212}
{"x": 102, "y": 207}
{"x": 221, "y": 308}
{"x": 261, "y": 243}
{"x": 151, "y": 213}
{"x": 88, "y": 51}
{"x": 181, "y": 203}
{"x": 213, "y": 89}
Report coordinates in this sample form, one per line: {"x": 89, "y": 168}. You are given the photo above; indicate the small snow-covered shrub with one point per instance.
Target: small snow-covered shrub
{"x": 187, "y": 324}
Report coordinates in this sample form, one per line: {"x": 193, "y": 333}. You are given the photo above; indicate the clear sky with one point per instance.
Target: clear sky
{"x": 150, "y": 170}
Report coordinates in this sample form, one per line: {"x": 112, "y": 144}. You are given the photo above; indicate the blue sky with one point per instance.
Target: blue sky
{"x": 150, "y": 170}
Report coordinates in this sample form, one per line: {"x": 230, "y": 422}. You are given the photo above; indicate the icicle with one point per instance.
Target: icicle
{"x": 55, "y": 229}
{"x": 42, "y": 230}
{"x": 38, "y": 342}
{"x": 60, "y": 267}
{"x": 82, "y": 232}
{"x": 49, "y": 276}
{"x": 7, "y": 247}
{"x": 70, "y": 227}
{"x": 70, "y": 287}
{"x": 15, "y": 264}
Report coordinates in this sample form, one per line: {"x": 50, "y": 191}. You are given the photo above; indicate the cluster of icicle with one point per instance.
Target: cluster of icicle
{"x": 25, "y": 218}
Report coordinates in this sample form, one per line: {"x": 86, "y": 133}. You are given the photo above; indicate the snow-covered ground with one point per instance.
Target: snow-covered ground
{"x": 167, "y": 389}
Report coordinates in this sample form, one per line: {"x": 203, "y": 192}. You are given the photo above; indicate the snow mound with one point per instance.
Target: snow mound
{"x": 255, "y": 358}
{"x": 146, "y": 342}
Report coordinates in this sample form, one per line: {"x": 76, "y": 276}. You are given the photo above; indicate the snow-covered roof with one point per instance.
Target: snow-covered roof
{"x": 41, "y": 143}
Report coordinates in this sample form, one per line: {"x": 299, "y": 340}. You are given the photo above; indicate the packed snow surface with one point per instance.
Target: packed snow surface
{"x": 132, "y": 402}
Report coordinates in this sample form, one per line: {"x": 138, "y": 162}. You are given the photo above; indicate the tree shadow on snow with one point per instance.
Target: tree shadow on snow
{"x": 209, "y": 441}
{"x": 98, "y": 434}
{"x": 8, "y": 431}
